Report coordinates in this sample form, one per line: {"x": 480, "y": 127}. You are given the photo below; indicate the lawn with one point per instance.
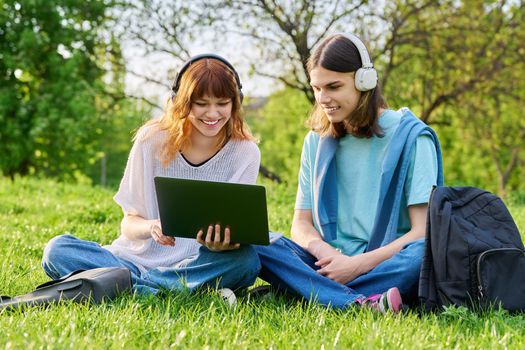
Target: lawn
{"x": 33, "y": 211}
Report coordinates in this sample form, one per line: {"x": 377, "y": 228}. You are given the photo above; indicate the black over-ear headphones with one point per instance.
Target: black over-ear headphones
{"x": 176, "y": 84}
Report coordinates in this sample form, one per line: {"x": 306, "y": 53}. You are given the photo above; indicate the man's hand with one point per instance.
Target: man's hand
{"x": 343, "y": 268}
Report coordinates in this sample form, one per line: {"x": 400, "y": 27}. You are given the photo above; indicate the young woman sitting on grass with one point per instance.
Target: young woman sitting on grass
{"x": 201, "y": 135}
{"x": 364, "y": 184}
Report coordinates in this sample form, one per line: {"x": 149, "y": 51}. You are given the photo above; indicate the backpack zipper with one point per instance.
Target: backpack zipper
{"x": 478, "y": 265}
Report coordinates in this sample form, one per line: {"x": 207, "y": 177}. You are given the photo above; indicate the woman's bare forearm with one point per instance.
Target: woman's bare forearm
{"x": 135, "y": 227}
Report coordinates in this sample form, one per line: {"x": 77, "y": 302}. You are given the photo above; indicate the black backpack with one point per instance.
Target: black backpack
{"x": 474, "y": 254}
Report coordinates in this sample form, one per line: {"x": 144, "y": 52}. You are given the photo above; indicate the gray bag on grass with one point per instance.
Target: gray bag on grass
{"x": 79, "y": 286}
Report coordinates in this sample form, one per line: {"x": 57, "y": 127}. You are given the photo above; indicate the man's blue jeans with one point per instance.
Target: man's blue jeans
{"x": 233, "y": 269}
{"x": 289, "y": 267}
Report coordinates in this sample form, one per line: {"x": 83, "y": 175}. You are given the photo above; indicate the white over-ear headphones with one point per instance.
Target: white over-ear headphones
{"x": 366, "y": 76}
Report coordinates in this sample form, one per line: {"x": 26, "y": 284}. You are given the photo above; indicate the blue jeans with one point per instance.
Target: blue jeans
{"x": 233, "y": 269}
{"x": 290, "y": 268}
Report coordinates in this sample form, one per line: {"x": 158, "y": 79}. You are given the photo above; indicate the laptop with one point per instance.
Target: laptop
{"x": 186, "y": 206}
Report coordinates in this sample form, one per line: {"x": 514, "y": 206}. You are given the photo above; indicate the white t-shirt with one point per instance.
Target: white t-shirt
{"x": 238, "y": 162}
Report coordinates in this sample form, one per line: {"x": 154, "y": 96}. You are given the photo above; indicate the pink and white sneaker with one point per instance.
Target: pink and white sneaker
{"x": 388, "y": 301}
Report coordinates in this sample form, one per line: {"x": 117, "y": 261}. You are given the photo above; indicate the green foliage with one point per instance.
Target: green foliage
{"x": 51, "y": 80}
{"x": 281, "y": 199}
{"x": 280, "y": 126}
{"x": 459, "y": 66}
{"x": 485, "y": 144}
{"x": 33, "y": 211}
{"x": 115, "y": 141}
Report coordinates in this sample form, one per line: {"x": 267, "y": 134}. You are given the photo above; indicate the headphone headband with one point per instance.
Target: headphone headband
{"x": 176, "y": 84}
{"x": 366, "y": 76}
{"x": 363, "y": 52}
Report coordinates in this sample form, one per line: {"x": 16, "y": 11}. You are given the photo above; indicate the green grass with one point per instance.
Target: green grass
{"x": 33, "y": 211}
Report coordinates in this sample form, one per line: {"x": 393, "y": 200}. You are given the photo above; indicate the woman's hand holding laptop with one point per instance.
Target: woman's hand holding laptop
{"x": 213, "y": 239}
{"x": 158, "y": 236}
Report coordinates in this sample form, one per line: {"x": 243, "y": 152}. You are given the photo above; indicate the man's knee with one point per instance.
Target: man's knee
{"x": 415, "y": 249}
{"x": 414, "y": 252}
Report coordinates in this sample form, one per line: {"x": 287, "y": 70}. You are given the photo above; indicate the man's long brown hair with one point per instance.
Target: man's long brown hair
{"x": 337, "y": 53}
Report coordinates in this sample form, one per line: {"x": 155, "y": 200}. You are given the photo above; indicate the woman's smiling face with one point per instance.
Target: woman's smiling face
{"x": 209, "y": 114}
{"x": 335, "y": 92}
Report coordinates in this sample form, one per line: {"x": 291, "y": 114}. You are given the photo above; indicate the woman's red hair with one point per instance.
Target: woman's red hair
{"x": 205, "y": 77}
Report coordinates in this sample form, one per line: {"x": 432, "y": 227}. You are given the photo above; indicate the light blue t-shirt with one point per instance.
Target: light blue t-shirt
{"x": 359, "y": 167}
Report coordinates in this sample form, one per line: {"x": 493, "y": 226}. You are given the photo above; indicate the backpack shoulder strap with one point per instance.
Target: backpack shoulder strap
{"x": 53, "y": 282}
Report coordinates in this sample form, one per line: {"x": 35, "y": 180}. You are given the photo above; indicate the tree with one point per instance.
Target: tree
{"x": 441, "y": 58}
{"x": 488, "y": 146}
{"x": 50, "y": 81}
{"x": 284, "y": 33}
{"x": 460, "y": 66}
{"x": 159, "y": 32}
{"x": 437, "y": 52}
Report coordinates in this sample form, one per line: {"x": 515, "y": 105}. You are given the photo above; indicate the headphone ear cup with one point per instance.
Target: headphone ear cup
{"x": 365, "y": 79}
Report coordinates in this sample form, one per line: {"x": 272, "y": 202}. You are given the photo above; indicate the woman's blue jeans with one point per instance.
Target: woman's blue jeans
{"x": 290, "y": 268}
{"x": 233, "y": 269}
